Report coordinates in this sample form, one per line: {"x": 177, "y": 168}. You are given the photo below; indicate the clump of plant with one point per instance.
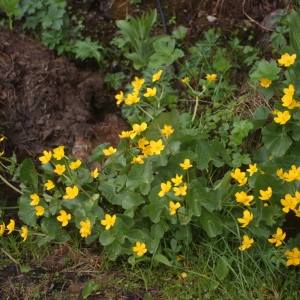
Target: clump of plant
{"x": 60, "y": 31}
{"x": 168, "y": 183}
{"x": 11, "y": 9}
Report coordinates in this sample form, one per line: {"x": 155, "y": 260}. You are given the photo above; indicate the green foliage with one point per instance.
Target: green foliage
{"x": 114, "y": 80}
{"x": 57, "y": 29}
{"x": 175, "y": 176}
{"x": 9, "y": 7}
{"x": 157, "y": 50}
{"x": 88, "y": 49}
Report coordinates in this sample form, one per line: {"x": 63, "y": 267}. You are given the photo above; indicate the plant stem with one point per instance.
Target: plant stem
{"x": 144, "y": 112}
{"x": 10, "y": 185}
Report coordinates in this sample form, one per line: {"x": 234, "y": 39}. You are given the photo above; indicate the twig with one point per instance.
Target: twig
{"x": 10, "y": 185}
{"x": 16, "y": 263}
{"x": 265, "y": 28}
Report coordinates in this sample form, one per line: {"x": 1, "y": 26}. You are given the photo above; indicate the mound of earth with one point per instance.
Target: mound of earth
{"x": 47, "y": 102}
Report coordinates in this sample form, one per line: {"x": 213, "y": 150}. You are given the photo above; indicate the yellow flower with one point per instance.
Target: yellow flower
{"x": 39, "y": 210}
{"x": 243, "y": 198}
{"x": 132, "y": 98}
{"x": 293, "y": 257}
{"x": 185, "y": 80}
{"x": 247, "y": 217}
{"x": 85, "y": 229}
{"x": 282, "y": 117}
{"x": 167, "y": 130}
{"x": 183, "y": 275}
{"x": 156, "y": 76}
{"x": 109, "y": 151}
{"x": 137, "y": 83}
{"x": 138, "y": 159}
{"x": 95, "y": 173}
{"x": 292, "y": 175}
{"x": 179, "y": 257}
{"x": 59, "y": 169}
{"x": 186, "y": 164}
{"x": 35, "y": 199}
{"x": 279, "y": 173}
{"x": 71, "y": 193}
{"x": 177, "y": 180}
{"x": 297, "y": 196}
{"x": 252, "y": 169}
{"x": 1, "y": 153}
{"x": 11, "y": 226}
{"x": 24, "y": 233}
{"x": 288, "y": 95}
{"x": 147, "y": 151}
{"x": 59, "y": 152}
{"x": 286, "y": 59}
{"x": 247, "y": 243}
{"x": 142, "y": 143}
{"x": 2, "y": 228}
{"x": 150, "y": 92}
{"x": 2, "y": 139}
{"x": 64, "y": 218}
{"x": 140, "y": 248}
{"x": 265, "y": 82}
{"x": 180, "y": 190}
{"x": 211, "y": 77}
{"x": 49, "y": 185}
{"x": 265, "y": 195}
{"x": 108, "y": 221}
{"x": 293, "y": 104}
{"x": 75, "y": 164}
{"x": 289, "y": 203}
{"x": 277, "y": 237}
{"x": 138, "y": 129}
{"x": 119, "y": 97}
{"x": 125, "y": 134}
{"x": 156, "y": 147}
{"x": 46, "y": 158}
{"x": 174, "y": 207}
{"x": 239, "y": 176}
{"x": 165, "y": 187}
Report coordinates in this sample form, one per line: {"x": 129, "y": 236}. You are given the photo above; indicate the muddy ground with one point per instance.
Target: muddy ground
{"x": 47, "y": 101}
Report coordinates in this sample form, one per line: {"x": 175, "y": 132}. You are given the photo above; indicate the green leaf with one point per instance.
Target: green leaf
{"x": 165, "y": 53}
{"x": 162, "y": 259}
{"x": 106, "y": 237}
{"x": 260, "y": 116}
{"x": 267, "y": 70}
{"x": 140, "y": 177}
{"x": 8, "y": 5}
{"x": 134, "y": 235}
{"x": 28, "y": 174}
{"x": 221, "y": 64}
{"x": 276, "y": 139}
{"x": 113, "y": 250}
{"x": 26, "y": 211}
{"x": 25, "y": 269}
{"x": 153, "y": 131}
{"x": 179, "y": 33}
{"x": 157, "y": 204}
{"x": 222, "y": 268}
{"x": 205, "y": 154}
{"x": 132, "y": 200}
{"x": 87, "y": 49}
{"x": 211, "y": 223}
{"x": 42, "y": 240}
{"x": 109, "y": 191}
{"x": 89, "y": 288}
